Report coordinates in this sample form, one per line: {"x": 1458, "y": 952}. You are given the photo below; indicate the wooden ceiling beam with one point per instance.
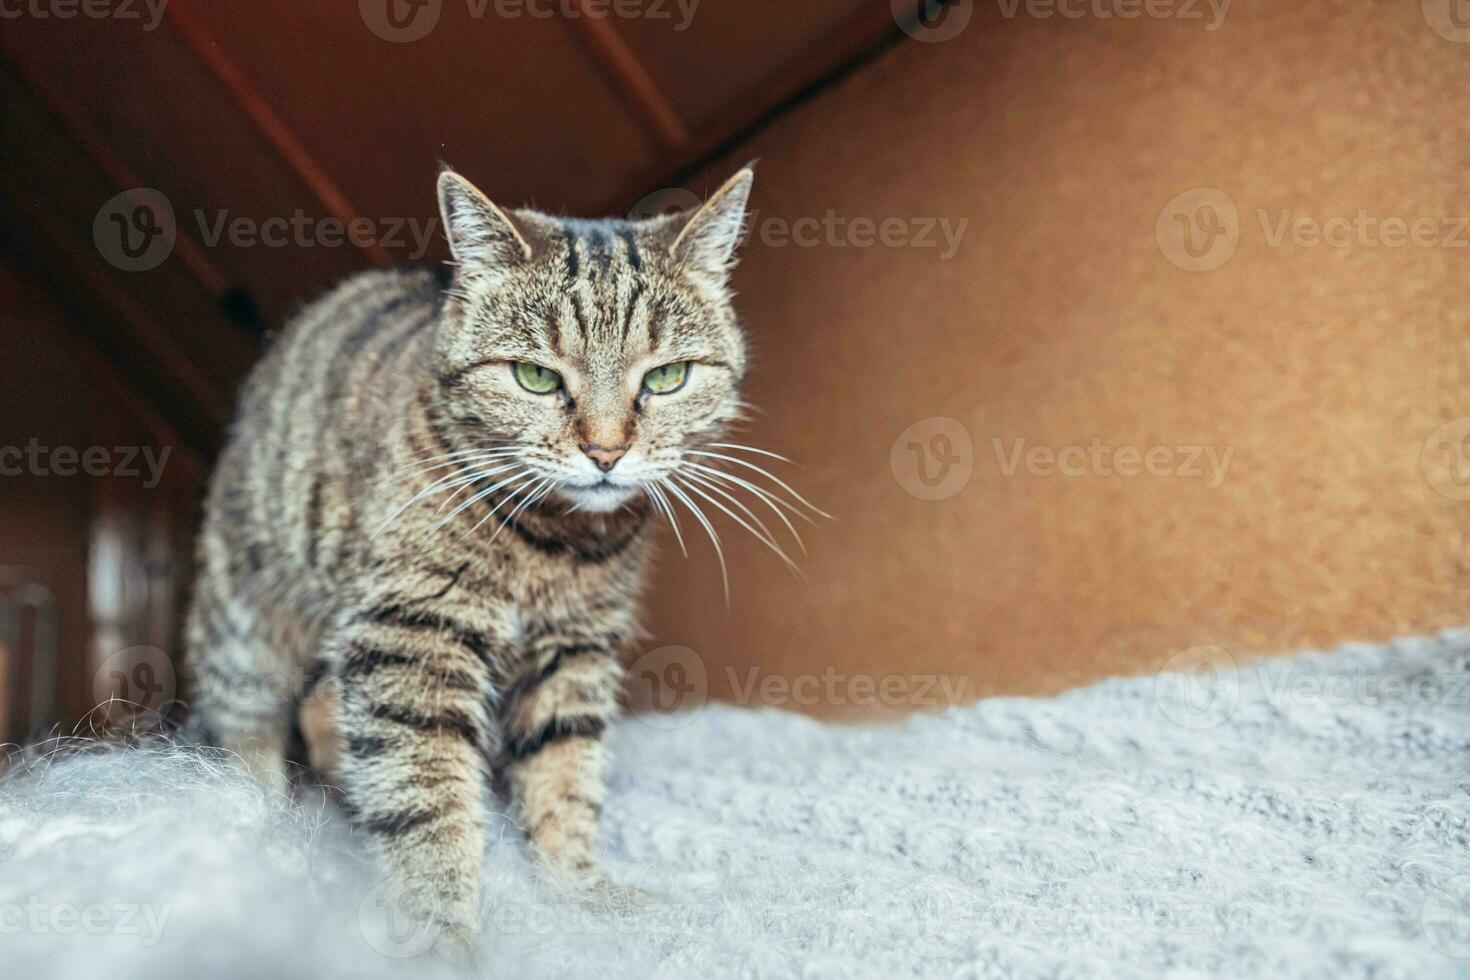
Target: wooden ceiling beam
{"x": 204, "y": 397}
{"x": 852, "y": 43}
{"x": 270, "y": 125}
{"x": 165, "y": 414}
{"x": 119, "y": 385}
{"x": 94, "y": 147}
{"x": 629, "y": 79}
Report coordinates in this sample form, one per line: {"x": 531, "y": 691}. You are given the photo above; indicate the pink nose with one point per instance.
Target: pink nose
{"x": 604, "y": 457}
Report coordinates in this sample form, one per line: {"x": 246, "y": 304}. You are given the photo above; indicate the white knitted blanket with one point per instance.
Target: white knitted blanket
{"x": 1307, "y": 817}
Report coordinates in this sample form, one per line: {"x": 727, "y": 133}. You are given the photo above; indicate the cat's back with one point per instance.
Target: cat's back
{"x": 338, "y": 340}
{"x": 314, "y": 408}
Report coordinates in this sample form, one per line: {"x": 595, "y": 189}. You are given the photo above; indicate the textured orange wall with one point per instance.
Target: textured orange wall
{"x": 1062, "y": 319}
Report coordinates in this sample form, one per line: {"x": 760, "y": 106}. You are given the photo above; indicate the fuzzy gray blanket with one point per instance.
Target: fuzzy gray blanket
{"x": 1302, "y": 817}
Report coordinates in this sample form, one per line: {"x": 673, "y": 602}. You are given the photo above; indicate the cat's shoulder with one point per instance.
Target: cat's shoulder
{"x": 378, "y": 287}
{"x": 362, "y": 296}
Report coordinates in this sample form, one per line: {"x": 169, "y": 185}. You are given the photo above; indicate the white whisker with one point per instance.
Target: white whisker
{"x": 764, "y": 539}
{"x": 522, "y": 475}
{"x": 438, "y": 486}
{"x": 471, "y": 479}
{"x": 461, "y": 453}
{"x": 765, "y": 473}
{"x": 662, "y": 503}
{"x": 708, "y": 529}
{"x": 461, "y": 463}
{"x": 538, "y": 491}
{"x": 751, "y": 449}
{"x": 707, "y": 483}
{"x": 767, "y": 497}
{"x": 516, "y": 492}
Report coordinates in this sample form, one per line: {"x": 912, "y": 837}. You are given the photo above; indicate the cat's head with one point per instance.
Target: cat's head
{"x": 590, "y": 355}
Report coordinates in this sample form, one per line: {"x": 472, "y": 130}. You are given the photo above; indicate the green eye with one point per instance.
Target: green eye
{"x": 537, "y": 379}
{"x": 666, "y": 379}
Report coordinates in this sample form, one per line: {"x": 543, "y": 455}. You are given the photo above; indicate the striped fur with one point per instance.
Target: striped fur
{"x": 415, "y": 553}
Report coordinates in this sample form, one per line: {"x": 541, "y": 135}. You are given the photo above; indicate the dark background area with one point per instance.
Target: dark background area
{"x": 303, "y": 112}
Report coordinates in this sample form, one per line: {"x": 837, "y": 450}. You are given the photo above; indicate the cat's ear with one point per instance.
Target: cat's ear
{"x": 707, "y": 242}
{"x": 480, "y": 234}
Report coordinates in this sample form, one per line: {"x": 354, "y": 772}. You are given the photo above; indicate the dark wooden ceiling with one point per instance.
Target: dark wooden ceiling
{"x": 278, "y": 108}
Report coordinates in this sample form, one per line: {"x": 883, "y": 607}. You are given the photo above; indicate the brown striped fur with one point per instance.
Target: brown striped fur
{"x": 477, "y": 630}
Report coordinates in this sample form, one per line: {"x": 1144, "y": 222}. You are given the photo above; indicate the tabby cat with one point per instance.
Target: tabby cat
{"x": 439, "y": 497}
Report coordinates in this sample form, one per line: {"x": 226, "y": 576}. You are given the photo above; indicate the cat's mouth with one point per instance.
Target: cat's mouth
{"x": 604, "y": 495}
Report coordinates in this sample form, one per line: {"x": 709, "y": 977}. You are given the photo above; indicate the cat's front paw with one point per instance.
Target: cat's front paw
{"x": 402, "y": 918}
{"x": 459, "y": 946}
{"x": 594, "y": 888}
{"x": 618, "y": 898}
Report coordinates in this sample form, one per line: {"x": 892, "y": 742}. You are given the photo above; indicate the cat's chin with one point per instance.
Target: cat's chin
{"x": 599, "y": 498}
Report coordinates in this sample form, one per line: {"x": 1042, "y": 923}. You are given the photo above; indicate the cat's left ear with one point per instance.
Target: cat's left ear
{"x": 707, "y": 242}
{"x": 480, "y": 234}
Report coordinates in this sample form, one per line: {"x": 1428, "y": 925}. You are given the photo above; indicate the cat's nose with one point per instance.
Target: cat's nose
{"x": 604, "y": 457}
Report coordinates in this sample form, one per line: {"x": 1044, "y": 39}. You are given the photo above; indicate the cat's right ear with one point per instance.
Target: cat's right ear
{"x": 707, "y": 242}
{"x": 480, "y": 234}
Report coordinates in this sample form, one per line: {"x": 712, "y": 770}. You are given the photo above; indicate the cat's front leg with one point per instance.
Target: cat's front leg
{"x": 554, "y": 716}
{"x": 413, "y": 684}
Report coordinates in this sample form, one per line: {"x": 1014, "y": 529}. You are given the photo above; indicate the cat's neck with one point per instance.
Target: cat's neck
{"x": 554, "y": 520}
